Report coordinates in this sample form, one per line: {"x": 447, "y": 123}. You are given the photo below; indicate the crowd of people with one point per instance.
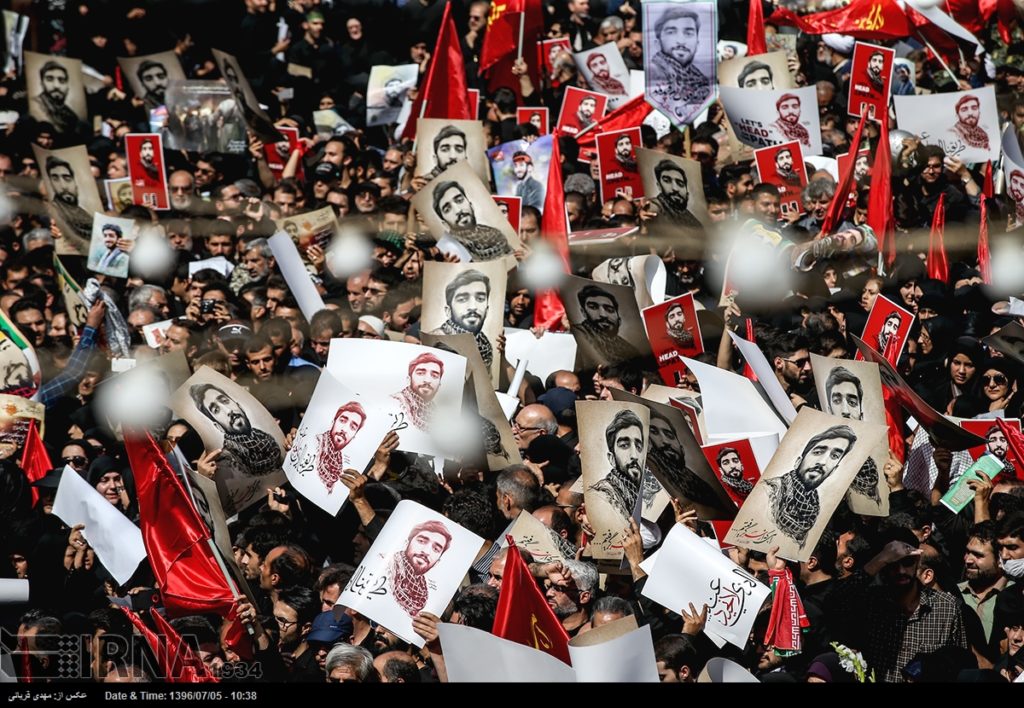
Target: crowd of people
{"x": 921, "y": 594}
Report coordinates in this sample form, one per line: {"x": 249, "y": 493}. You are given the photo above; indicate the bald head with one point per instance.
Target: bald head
{"x": 567, "y": 379}
{"x": 555, "y": 519}
{"x": 532, "y": 421}
{"x": 396, "y": 667}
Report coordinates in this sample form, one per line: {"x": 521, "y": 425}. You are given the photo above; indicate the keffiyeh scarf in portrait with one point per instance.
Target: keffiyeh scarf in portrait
{"x": 330, "y": 461}
{"x": 737, "y": 484}
{"x": 408, "y": 587}
{"x": 418, "y": 410}
{"x": 619, "y": 490}
{"x": 678, "y": 85}
{"x": 482, "y": 342}
{"x": 795, "y": 508}
{"x": 866, "y": 482}
{"x": 972, "y": 135}
{"x": 484, "y": 243}
{"x": 684, "y": 479}
{"x": 609, "y": 346}
{"x": 256, "y": 451}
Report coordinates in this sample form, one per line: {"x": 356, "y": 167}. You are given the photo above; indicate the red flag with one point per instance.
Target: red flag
{"x": 748, "y": 370}
{"x": 523, "y": 615}
{"x": 1015, "y": 442}
{"x": 183, "y": 665}
{"x": 628, "y": 115}
{"x": 984, "y": 256}
{"x": 861, "y": 19}
{"x": 554, "y": 228}
{"x": 894, "y": 422}
{"x": 938, "y": 264}
{"x": 755, "y": 29}
{"x": 35, "y": 461}
{"x": 177, "y": 541}
{"x": 787, "y": 619}
{"x": 1006, "y": 16}
{"x": 845, "y": 186}
{"x": 880, "y": 217}
{"x": 444, "y": 93}
{"x": 503, "y": 30}
{"x": 158, "y": 647}
{"x": 987, "y": 188}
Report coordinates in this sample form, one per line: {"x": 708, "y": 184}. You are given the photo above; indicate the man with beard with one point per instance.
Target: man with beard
{"x": 844, "y": 397}
{"x": 784, "y": 168}
{"x": 527, "y": 186}
{"x": 618, "y": 272}
{"x": 601, "y": 78}
{"x": 873, "y": 91}
{"x": 666, "y": 455}
{"x": 599, "y": 327}
{"x": 673, "y": 195}
{"x": 424, "y": 547}
{"x": 890, "y": 329}
{"x": 968, "y": 113}
{"x": 584, "y": 117}
{"x": 51, "y": 102}
{"x": 984, "y": 580}
{"x": 153, "y": 77}
{"x": 111, "y": 260}
{"x": 246, "y": 451}
{"x": 674, "y": 84}
{"x": 449, "y": 148}
{"x": 147, "y": 159}
{"x": 331, "y": 462}
{"x": 1015, "y": 186}
{"x": 467, "y": 304}
{"x": 792, "y": 362}
{"x": 788, "y": 124}
{"x": 622, "y": 171}
{"x": 730, "y": 471}
{"x": 675, "y": 327}
{"x": 416, "y": 399}
{"x": 793, "y": 497}
{"x": 483, "y": 242}
{"x": 998, "y": 446}
{"x": 903, "y": 84}
{"x": 624, "y": 437}
{"x": 65, "y": 197}
{"x": 756, "y": 75}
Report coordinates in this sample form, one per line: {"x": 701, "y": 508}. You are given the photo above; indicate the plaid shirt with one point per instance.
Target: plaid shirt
{"x": 55, "y": 388}
{"x": 894, "y": 639}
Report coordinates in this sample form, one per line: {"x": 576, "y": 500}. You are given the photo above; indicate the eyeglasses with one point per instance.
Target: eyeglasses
{"x": 516, "y": 426}
{"x": 74, "y": 460}
{"x": 205, "y": 170}
{"x": 283, "y": 623}
{"x": 997, "y": 379}
{"x": 175, "y": 188}
{"x": 799, "y": 363}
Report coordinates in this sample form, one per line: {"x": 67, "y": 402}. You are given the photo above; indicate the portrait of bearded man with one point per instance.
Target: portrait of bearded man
{"x": 788, "y": 123}
{"x": 416, "y": 400}
{"x": 466, "y": 298}
{"x": 348, "y": 421}
{"x": 967, "y": 126}
{"x": 426, "y": 543}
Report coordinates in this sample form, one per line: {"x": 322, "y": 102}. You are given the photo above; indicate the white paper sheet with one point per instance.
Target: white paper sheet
{"x": 547, "y": 354}
{"x": 474, "y": 656}
{"x": 295, "y": 274}
{"x": 765, "y": 376}
{"x": 732, "y": 406}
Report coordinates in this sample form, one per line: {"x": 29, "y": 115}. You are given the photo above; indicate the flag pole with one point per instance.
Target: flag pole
{"x": 522, "y": 28}
{"x": 939, "y": 57}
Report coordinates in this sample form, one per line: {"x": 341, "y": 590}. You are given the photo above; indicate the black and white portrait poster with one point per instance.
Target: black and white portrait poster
{"x": 459, "y": 212}
{"x": 765, "y": 72}
{"x": 679, "y": 57}
{"x": 204, "y": 116}
{"x": 817, "y": 460}
{"x": 230, "y": 419}
{"x": 340, "y": 431}
{"x": 605, "y": 71}
{"x": 419, "y": 387}
{"x": 675, "y": 188}
{"x": 255, "y": 117}
{"x": 71, "y": 194}
{"x": 467, "y": 298}
{"x": 613, "y": 457}
{"x": 56, "y": 92}
{"x": 764, "y": 118}
{"x": 415, "y": 565}
{"x": 386, "y": 92}
{"x": 150, "y": 75}
{"x": 1013, "y": 169}
{"x": 644, "y": 274}
{"x": 442, "y": 143}
{"x": 605, "y": 320}
{"x": 964, "y": 124}
{"x": 853, "y": 389}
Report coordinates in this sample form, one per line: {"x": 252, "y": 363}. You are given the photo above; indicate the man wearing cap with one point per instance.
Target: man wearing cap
{"x": 601, "y": 78}
{"x": 456, "y": 211}
{"x": 527, "y": 186}
{"x": 788, "y": 124}
{"x": 966, "y": 128}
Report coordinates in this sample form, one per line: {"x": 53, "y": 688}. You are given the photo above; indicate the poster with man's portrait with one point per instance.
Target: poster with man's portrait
{"x": 1013, "y": 169}
{"x": 521, "y": 169}
{"x": 548, "y": 51}
{"x": 674, "y": 332}
{"x": 613, "y": 456}
{"x": 644, "y": 274}
{"x": 853, "y": 389}
{"x": 16, "y": 415}
{"x": 616, "y": 164}
{"x": 861, "y": 171}
{"x": 675, "y": 459}
{"x": 150, "y": 75}
{"x": 765, "y": 72}
{"x": 808, "y": 475}
{"x": 727, "y": 50}
{"x": 56, "y": 92}
{"x": 580, "y": 109}
{"x": 415, "y": 565}
{"x": 467, "y": 298}
{"x": 419, "y": 387}
{"x": 145, "y": 154}
{"x": 964, "y": 124}
{"x": 762, "y": 118}
{"x": 903, "y": 77}
{"x": 119, "y": 194}
{"x": 254, "y": 116}
{"x": 680, "y": 57}
{"x": 887, "y": 328}
{"x": 675, "y": 189}
{"x": 512, "y": 209}
{"x": 996, "y": 443}
{"x": 386, "y": 92}
{"x": 71, "y": 195}
{"x": 279, "y": 153}
{"x": 605, "y": 321}
{"x": 229, "y": 418}
{"x": 538, "y": 117}
{"x": 443, "y": 143}
{"x": 339, "y": 431}
{"x": 459, "y": 212}
{"x": 735, "y": 466}
{"x": 783, "y": 166}
{"x": 870, "y": 79}
{"x": 204, "y": 116}
{"x": 111, "y": 245}
{"x": 20, "y": 366}
{"x": 311, "y": 228}
{"x": 605, "y": 72}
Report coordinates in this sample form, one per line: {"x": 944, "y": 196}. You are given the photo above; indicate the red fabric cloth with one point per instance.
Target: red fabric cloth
{"x": 861, "y": 19}
{"x": 502, "y": 36}
{"x": 1015, "y": 444}
{"x": 788, "y": 618}
{"x": 629, "y": 115}
{"x": 445, "y": 91}
{"x": 845, "y": 186}
{"x": 176, "y": 539}
{"x": 938, "y": 263}
{"x": 35, "y": 461}
{"x": 984, "y": 255}
{"x": 880, "y": 196}
{"x": 554, "y": 228}
{"x": 183, "y": 665}
{"x": 523, "y": 614}
{"x": 755, "y": 29}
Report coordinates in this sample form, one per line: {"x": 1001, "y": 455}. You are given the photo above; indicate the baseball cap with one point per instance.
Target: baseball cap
{"x": 327, "y": 629}
{"x": 234, "y": 331}
{"x": 326, "y": 171}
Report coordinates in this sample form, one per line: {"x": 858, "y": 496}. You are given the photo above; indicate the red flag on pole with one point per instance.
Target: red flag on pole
{"x": 861, "y": 19}
{"x": 1015, "y": 442}
{"x": 554, "y": 228}
{"x": 938, "y": 264}
{"x": 845, "y": 186}
{"x": 504, "y": 24}
{"x": 984, "y": 256}
{"x": 183, "y": 665}
{"x": 445, "y": 92}
{"x": 880, "y": 195}
{"x": 987, "y": 188}
{"x": 755, "y": 29}
{"x": 523, "y": 615}
{"x": 629, "y": 115}
{"x": 35, "y": 461}
{"x": 177, "y": 541}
